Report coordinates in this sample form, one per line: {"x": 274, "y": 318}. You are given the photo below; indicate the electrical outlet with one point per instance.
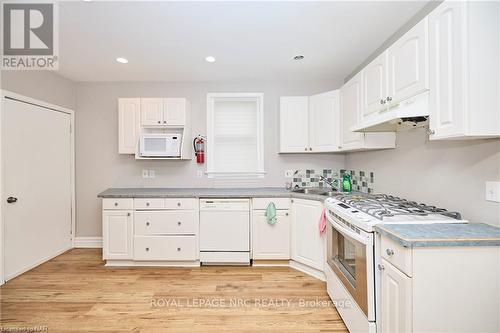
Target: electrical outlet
{"x": 288, "y": 173}
{"x": 199, "y": 173}
{"x": 145, "y": 173}
{"x": 493, "y": 191}
{"x": 152, "y": 174}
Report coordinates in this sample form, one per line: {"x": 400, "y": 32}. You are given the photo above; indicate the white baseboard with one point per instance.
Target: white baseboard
{"x": 88, "y": 242}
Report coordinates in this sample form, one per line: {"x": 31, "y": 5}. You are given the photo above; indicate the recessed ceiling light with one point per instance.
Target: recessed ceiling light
{"x": 121, "y": 60}
{"x": 87, "y": 0}
{"x": 298, "y": 57}
{"x": 210, "y": 59}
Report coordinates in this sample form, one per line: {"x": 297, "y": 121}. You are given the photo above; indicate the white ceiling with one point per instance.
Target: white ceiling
{"x": 168, "y": 41}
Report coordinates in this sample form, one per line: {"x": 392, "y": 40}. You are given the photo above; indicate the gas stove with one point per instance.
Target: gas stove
{"x": 367, "y": 210}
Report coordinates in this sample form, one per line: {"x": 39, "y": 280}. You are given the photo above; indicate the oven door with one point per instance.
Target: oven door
{"x": 350, "y": 256}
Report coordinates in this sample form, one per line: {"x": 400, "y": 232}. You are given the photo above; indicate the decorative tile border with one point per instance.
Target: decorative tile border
{"x": 362, "y": 181}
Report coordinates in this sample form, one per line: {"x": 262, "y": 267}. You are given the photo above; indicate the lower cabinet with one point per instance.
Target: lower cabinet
{"x": 395, "y": 299}
{"x": 117, "y": 234}
{"x": 308, "y": 246}
{"x": 271, "y": 241}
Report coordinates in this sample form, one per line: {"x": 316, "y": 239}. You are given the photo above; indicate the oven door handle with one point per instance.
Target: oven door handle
{"x": 348, "y": 232}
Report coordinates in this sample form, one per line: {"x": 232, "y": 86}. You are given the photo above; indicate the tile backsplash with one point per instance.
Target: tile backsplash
{"x": 362, "y": 181}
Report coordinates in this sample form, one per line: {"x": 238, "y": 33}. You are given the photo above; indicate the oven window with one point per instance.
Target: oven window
{"x": 347, "y": 257}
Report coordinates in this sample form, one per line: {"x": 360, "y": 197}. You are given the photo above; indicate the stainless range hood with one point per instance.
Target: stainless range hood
{"x": 408, "y": 113}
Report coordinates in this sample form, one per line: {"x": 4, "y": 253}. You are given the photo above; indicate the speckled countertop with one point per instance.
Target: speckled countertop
{"x": 444, "y": 234}
{"x": 260, "y": 192}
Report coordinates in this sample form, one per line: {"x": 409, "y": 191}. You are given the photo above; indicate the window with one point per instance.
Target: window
{"x": 235, "y": 135}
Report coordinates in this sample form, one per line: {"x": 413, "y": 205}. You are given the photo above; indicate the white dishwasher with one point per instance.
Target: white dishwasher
{"x": 225, "y": 231}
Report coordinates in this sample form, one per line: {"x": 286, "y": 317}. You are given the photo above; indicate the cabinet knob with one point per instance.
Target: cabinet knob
{"x": 147, "y": 249}
{"x": 305, "y": 148}
{"x": 128, "y": 214}
{"x": 291, "y": 201}
{"x": 147, "y": 223}
{"x": 178, "y": 204}
{"x": 380, "y": 267}
{"x": 431, "y": 132}
{"x": 11, "y": 200}
{"x": 389, "y": 252}
{"x": 178, "y": 249}
{"x": 147, "y": 204}
{"x": 382, "y": 101}
{"x": 389, "y": 98}
{"x": 310, "y": 149}
{"x": 159, "y": 121}
{"x": 116, "y": 204}
{"x": 339, "y": 147}
{"x": 179, "y": 223}
{"x": 286, "y": 214}
{"x": 164, "y": 121}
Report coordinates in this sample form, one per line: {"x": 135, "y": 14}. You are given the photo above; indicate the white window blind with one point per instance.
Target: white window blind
{"x": 235, "y": 136}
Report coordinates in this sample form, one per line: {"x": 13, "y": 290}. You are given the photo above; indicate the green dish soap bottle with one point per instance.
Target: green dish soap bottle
{"x": 346, "y": 183}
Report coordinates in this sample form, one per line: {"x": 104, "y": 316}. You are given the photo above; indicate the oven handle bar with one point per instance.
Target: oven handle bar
{"x": 349, "y": 233}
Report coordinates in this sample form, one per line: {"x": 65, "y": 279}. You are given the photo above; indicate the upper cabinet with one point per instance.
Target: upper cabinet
{"x": 308, "y": 124}
{"x": 350, "y": 109}
{"x": 129, "y": 124}
{"x": 374, "y": 78}
{"x": 464, "y": 70}
{"x": 163, "y": 112}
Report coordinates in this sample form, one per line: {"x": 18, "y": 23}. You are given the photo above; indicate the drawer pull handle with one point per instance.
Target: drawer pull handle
{"x": 178, "y": 249}
{"x": 116, "y": 204}
{"x": 179, "y": 223}
{"x": 389, "y": 252}
{"x": 147, "y": 249}
{"x": 147, "y": 223}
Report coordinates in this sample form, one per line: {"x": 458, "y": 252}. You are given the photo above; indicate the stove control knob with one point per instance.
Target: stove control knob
{"x": 389, "y": 252}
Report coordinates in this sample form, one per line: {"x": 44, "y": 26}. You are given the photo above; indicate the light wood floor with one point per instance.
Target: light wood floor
{"x": 76, "y": 293}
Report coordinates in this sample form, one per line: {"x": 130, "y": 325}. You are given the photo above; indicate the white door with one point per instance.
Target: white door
{"x": 271, "y": 241}
{"x": 408, "y": 63}
{"x": 323, "y": 120}
{"x": 350, "y": 108}
{"x": 294, "y": 124}
{"x": 37, "y": 172}
{"x": 152, "y": 111}
{"x": 129, "y": 124}
{"x": 395, "y": 300}
{"x": 117, "y": 234}
{"x": 308, "y": 246}
{"x": 375, "y": 86}
{"x": 446, "y": 67}
{"x": 174, "y": 111}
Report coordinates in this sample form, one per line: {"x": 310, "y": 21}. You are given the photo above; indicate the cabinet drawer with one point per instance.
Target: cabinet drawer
{"x": 149, "y": 203}
{"x": 171, "y": 248}
{"x": 110, "y": 203}
{"x": 165, "y": 222}
{"x": 184, "y": 203}
{"x": 396, "y": 254}
{"x": 280, "y": 203}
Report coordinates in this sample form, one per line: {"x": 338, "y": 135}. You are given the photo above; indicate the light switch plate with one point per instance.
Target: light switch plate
{"x": 152, "y": 174}
{"x": 493, "y": 191}
{"x": 145, "y": 173}
{"x": 199, "y": 173}
{"x": 288, "y": 173}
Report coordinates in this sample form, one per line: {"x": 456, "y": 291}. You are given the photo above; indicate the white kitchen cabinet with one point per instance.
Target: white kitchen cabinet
{"x": 308, "y": 246}
{"x": 408, "y": 64}
{"x": 395, "y": 299}
{"x": 324, "y": 121}
{"x": 151, "y": 111}
{"x": 271, "y": 241}
{"x": 374, "y": 79}
{"x": 464, "y": 70}
{"x": 117, "y": 234}
{"x": 174, "y": 111}
{"x": 129, "y": 124}
{"x": 350, "y": 113}
{"x": 294, "y": 124}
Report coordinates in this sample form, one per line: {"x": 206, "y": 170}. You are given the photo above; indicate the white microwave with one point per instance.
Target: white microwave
{"x": 160, "y": 145}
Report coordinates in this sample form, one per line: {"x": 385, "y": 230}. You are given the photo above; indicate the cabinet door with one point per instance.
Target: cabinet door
{"x": 174, "y": 111}
{"x": 408, "y": 63}
{"x": 446, "y": 67}
{"x": 294, "y": 124}
{"x": 308, "y": 246}
{"x": 323, "y": 122}
{"x": 117, "y": 233}
{"x": 129, "y": 124}
{"x": 374, "y": 78}
{"x": 395, "y": 300}
{"x": 271, "y": 241}
{"x": 151, "y": 111}
{"x": 350, "y": 108}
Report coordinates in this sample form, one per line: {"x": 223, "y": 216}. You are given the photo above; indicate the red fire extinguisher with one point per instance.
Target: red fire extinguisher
{"x": 199, "y": 149}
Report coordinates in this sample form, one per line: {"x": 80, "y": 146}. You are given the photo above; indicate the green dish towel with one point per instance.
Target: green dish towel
{"x": 271, "y": 213}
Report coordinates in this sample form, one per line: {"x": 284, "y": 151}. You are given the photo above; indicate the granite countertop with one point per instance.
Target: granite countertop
{"x": 260, "y": 192}
{"x": 442, "y": 234}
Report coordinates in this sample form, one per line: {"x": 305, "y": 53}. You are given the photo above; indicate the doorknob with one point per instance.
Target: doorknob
{"x": 11, "y": 200}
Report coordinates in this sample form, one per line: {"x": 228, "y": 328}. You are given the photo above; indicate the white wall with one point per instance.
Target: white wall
{"x": 99, "y": 166}
{"x": 449, "y": 174}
